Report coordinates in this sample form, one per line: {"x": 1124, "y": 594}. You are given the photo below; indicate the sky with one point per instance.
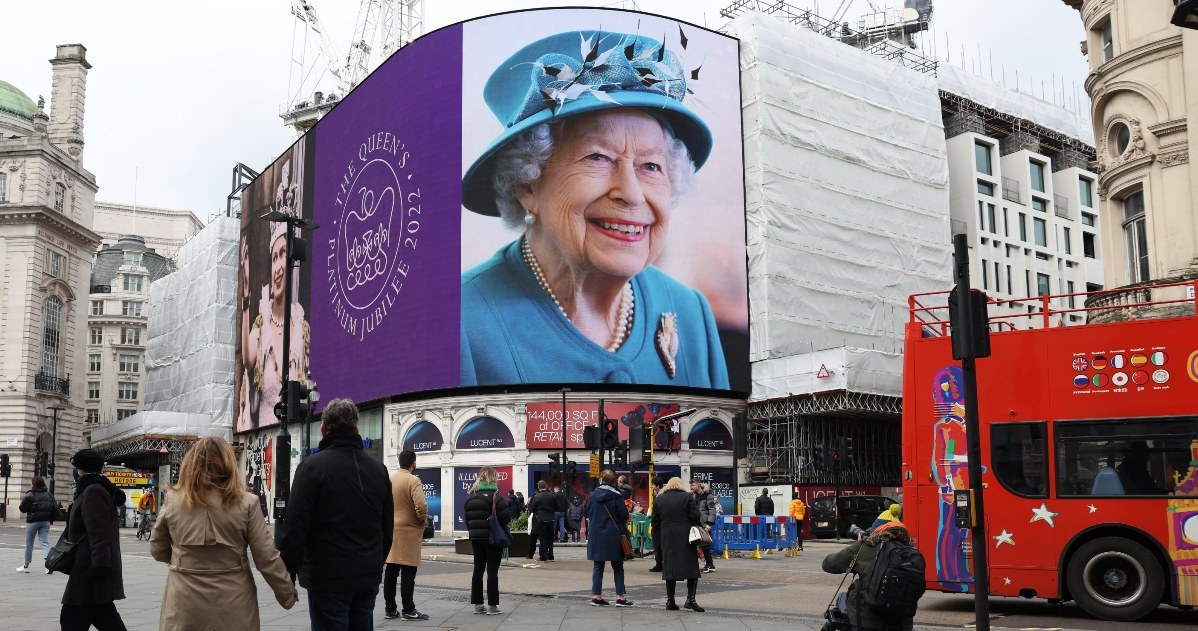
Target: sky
{"x": 180, "y": 92}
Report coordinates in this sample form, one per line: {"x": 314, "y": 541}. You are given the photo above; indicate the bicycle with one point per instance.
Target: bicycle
{"x": 145, "y": 527}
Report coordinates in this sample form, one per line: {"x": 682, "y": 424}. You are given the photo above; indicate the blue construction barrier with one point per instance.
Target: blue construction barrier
{"x": 753, "y": 533}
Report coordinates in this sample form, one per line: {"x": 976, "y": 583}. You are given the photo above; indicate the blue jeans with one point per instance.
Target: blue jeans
{"x": 41, "y": 528}
{"x": 559, "y": 521}
{"x": 342, "y": 611}
{"x": 597, "y": 577}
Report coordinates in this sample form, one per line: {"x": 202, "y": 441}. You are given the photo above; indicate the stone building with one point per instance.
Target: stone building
{"x": 1144, "y": 88}
{"x": 162, "y": 230}
{"x": 47, "y": 201}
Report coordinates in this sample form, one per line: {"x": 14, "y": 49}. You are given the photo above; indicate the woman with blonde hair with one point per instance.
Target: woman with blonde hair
{"x": 675, "y": 511}
{"x": 484, "y": 501}
{"x": 203, "y": 533}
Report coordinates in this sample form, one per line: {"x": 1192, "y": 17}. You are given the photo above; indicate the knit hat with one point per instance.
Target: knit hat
{"x": 887, "y": 526}
{"x": 88, "y": 460}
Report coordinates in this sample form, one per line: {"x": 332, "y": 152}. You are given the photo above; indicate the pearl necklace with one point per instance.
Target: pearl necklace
{"x": 627, "y": 299}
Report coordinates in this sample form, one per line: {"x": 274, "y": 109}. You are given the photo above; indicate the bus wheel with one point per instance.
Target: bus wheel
{"x": 1115, "y": 579}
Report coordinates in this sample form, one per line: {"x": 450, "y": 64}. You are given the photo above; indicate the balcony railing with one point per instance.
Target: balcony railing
{"x": 1010, "y": 190}
{"x": 1060, "y": 205}
{"x": 50, "y": 383}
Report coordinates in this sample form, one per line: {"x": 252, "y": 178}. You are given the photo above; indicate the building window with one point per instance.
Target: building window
{"x": 985, "y": 275}
{"x": 93, "y": 416}
{"x": 1085, "y": 189}
{"x": 1023, "y": 227}
{"x": 128, "y": 363}
{"x": 985, "y": 188}
{"x": 57, "y": 263}
{"x": 1040, "y": 231}
{"x": 1043, "y": 285}
{"x": 1039, "y": 205}
{"x": 131, "y": 308}
{"x": 1010, "y": 285}
{"x": 124, "y": 414}
{"x": 3, "y": 187}
{"x": 93, "y": 389}
{"x": 93, "y": 362}
{"x": 60, "y": 197}
{"x": 1088, "y": 247}
{"x": 1088, "y": 219}
{"x": 1122, "y": 456}
{"x": 133, "y": 258}
{"x": 132, "y": 282}
{"x": 1121, "y": 135}
{"x": 126, "y": 391}
{"x": 1069, "y": 290}
{"x": 1067, "y": 238}
{"x": 981, "y": 155}
{"x": 997, "y": 280}
{"x": 96, "y": 336}
{"x": 1018, "y": 455}
{"x": 97, "y": 307}
{"x": 1106, "y": 38}
{"x": 50, "y": 339}
{"x": 1006, "y": 224}
{"x": 990, "y": 214}
{"x": 130, "y": 336}
{"x": 1027, "y": 283}
{"x": 1037, "y": 170}
{"x": 1135, "y": 232}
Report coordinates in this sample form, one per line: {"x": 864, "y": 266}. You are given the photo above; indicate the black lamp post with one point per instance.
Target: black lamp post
{"x": 53, "y": 445}
{"x": 293, "y": 392}
{"x": 1185, "y": 14}
{"x": 564, "y": 459}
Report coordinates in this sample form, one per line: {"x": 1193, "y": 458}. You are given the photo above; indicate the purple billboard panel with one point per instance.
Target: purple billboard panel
{"x": 485, "y": 432}
{"x": 423, "y": 436}
{"x": 710, "y": 434}
{"x": 385, "y": 291}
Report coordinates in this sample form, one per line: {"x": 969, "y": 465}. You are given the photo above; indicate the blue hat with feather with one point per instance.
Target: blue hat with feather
{"x": 578, "y": 72}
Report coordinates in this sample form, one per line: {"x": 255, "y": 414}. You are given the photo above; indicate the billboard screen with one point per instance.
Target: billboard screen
{"x": 540, "y": 197}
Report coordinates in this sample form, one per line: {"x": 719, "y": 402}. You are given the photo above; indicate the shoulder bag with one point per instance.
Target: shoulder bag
{"x": 430, "y": 529}
{"x": 61, "y": 558}
{"x": 499, "y": 536}
{"x": 700, "y": 537}
{"x": 625, "y": 544}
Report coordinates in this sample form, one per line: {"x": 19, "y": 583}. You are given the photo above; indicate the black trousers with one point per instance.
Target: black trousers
{"x": 545, "y": 534}
{"x": 407, "y": 586}
{"x": 706, "y": 552}
{"x": 82, "y": 617}
{"x": 486, "y": 558}
{"x": 532, "y": 540}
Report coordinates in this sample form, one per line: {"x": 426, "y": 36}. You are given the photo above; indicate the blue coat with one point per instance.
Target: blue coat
{"x": 603, "y": 535}
{"x": 512, "y": 332}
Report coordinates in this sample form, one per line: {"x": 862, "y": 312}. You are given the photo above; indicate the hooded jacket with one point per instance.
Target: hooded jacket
{"x": 96, "y": 577}
{"x": 607, "y": 518}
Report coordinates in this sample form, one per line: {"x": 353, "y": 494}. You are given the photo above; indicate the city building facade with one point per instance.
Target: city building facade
{"x": 47, "y": 202}
{"x": 1144, "y": 89}
{"x": 163, "y": 230}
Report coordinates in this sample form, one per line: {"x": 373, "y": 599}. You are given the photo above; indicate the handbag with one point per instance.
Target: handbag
{"x": 625, "y": 544}
{"x": 61, "y": 558}
{"x": 429, "y": 528}
{"x": 699, "y": 537}
{"x": 499, "y": 536}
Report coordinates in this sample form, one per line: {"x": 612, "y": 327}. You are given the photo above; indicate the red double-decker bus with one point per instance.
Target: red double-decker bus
{"x": 1089, "y": 436}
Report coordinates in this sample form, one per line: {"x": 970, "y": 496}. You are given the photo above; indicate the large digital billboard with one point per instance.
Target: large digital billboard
{"x": 540, "y": 197}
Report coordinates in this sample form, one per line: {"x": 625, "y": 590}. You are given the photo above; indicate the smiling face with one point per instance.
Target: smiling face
{"x": 603, "y": 200}
{"x": 278, "y": 267}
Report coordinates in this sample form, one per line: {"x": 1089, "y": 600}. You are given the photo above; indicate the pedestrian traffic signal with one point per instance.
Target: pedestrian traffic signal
{"x": 39, "y": 463}
{"x": 846, "y": 453}
{"x": 818, "y": 457}
{"x": 299, "y": 395}
{"x": 590, "y": 437}
{"x": 640, "y": 443}
{"x": 5, "y": 466}
{"x": 620, "y": 454}
{"x": 571, "y": 468}
{"x": 740, "y": 435}
{"x": 555, "y": 464}
{"x": 608, "y": 433}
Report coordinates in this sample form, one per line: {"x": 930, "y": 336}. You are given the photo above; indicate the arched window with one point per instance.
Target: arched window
{"x": 1135, "y": 235}
{"x": 51, "y": 346}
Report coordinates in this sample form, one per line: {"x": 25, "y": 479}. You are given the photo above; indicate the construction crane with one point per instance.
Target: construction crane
{"x": 382, "y": 25}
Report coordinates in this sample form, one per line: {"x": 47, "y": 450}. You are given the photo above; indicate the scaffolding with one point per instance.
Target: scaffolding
{"x": 962, "y": 115}
{"x": 782, "y": 433}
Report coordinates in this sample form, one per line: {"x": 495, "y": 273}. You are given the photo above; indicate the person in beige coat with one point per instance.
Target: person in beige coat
{"x": 203, "y": 534}
{"x": 411, "y": 509}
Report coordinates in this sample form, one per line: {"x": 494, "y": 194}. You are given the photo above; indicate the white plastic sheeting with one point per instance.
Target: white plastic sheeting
{"x": 848, "y": 207}
{"x": 189, "y": 347}
{"x": 1019, "y": 104}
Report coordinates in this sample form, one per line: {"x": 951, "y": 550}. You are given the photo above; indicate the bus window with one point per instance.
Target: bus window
{"x": 1122, "y": 456}
{"x": 1017, "y": 453}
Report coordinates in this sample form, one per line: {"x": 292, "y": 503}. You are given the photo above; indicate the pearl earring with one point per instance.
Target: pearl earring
{"x": 529, "y": 218}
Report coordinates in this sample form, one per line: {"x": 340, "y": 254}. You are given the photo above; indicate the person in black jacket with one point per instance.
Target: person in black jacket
{"x": 39, "y": 509}
{"x": 764, "y": 504}
{"x": 513, "y": 505}
{"x": 338, "y": 525}
{"x": 560, "y": 504}
{"x": 96, "y": 581}
{"x": 484, "y": 501}
{"x": 543, "y": 506}
{"x": 674, "y": 513}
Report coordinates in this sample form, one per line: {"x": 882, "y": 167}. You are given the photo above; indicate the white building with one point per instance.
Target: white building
{"x": 163, "y": 230}
{"x": 47, "y": 199}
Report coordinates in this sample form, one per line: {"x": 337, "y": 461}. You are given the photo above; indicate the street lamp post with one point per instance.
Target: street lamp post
{"x": 564, "y": 460}
{"x": 53, "y": 446}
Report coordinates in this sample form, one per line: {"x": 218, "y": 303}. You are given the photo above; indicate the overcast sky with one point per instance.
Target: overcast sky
{"x": 179, "y": 92}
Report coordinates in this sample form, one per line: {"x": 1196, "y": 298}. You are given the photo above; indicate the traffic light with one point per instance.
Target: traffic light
{"x": 640, "y": 443}
{"x": 5, "y": 466}
{"x": 818, "y": 457}
{"x": 608, "y": 433}
{"x": 299, "y": 395}
{"x": 572, "y": 468}
{"x": 970, "y": 338}
{"x": 740, "y": 435}
{"x": 620, "y": 454}
{"x": 555, "y": 464}
{"x": 39, "y": 463}
{"x": 846, "y": 453}
{"x": 590, "y": 437}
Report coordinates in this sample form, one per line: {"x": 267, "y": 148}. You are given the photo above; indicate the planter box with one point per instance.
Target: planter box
{"x": 520, "y": 543}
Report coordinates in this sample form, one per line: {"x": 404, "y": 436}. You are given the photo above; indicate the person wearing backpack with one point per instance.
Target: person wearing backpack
{"x": 890, "y": 579}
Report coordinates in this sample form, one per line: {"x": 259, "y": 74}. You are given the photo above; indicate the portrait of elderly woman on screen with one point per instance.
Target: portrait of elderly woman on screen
{"x": 597, "y": 150}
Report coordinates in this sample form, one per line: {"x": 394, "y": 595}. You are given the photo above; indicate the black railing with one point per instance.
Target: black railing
{"x": 101, "y": 289}
{"x": 50, "y": 383}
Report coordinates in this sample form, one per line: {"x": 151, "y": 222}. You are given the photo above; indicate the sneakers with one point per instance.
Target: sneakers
{"x": 391, "y": 614}
{"x": 709, "y": 569}
{"x": 624, "y": 602}
{"x": 480, "y": 609}
{"x": 493, "y": 610}
{"x": 599, "y": 602}
{"x": 414, "y": 615}
{"x": 23, "y": 568}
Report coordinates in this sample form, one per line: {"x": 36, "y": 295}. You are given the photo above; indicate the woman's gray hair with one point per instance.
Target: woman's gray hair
{"x": 520, "y": 163}
{"x": 340, "y": 416}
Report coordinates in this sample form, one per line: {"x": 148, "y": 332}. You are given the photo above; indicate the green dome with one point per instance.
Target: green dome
{"x": 14, "y": 101}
